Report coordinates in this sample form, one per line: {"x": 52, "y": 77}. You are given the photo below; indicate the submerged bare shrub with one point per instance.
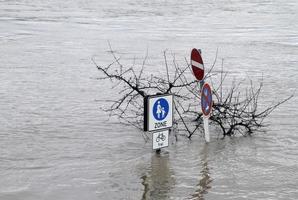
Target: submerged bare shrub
{"x": 233, "y": 111}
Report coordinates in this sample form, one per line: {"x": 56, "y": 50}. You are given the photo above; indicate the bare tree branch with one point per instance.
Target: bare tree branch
{"x": 235, "y": 110}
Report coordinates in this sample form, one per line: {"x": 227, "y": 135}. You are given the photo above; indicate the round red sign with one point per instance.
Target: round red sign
{"x": 197, "y": 64}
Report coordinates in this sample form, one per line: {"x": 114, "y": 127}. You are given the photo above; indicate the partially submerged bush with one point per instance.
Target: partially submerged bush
{"x": 235, "y": 111}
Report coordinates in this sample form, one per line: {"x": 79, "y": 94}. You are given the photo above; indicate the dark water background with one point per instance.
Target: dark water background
{"x": 55, "y": 142}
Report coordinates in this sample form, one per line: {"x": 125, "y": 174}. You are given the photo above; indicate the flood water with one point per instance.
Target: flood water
{"x": 56, "y": 142}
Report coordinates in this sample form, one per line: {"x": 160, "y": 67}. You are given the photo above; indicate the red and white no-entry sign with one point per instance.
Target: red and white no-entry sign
{"x": 197, "y": 64}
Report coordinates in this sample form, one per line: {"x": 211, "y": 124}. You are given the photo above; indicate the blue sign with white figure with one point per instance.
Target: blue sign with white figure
{"x": 160, "y": 109}
{"x": 158, "y": 112}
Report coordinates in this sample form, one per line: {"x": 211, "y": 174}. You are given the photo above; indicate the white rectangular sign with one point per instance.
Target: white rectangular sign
{"x": 160, "y": 112}
{"x": 160, "y": 139}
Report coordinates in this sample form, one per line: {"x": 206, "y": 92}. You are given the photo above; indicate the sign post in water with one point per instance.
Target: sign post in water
{"x": 158, "y": 118}
{"x": 198, "y": 70}
{"x": 206, "y": 106}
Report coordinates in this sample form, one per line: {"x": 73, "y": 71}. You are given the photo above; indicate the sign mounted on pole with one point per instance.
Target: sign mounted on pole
{"x": 206, "y": 99}
{"x": 206, "y": 106}
{"x": 158, "y": 112}
{"x": 197, "y": 64}
{"x": 160, "y": 139}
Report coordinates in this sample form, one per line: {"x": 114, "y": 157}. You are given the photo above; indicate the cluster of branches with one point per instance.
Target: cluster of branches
{"x": 238, "y": 112}
{"x": 233, "y": 112}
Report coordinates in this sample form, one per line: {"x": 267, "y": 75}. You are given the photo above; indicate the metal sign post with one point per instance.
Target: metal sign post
{"x": 206, "y": 106}
{"x": 206, "y": 96}
{"x": 206, "y": 129}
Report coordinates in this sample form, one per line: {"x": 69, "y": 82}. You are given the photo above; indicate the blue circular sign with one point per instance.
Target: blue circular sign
{"x": 160, "y": 109}
{"x": 206, "y": 99}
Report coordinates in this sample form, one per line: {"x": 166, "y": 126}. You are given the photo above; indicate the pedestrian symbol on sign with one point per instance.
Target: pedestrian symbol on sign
{"x": 160, "y": 109}
{"x": 158, "y": 112}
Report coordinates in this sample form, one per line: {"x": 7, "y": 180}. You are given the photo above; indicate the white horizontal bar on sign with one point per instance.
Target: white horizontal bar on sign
{"x": 197, "y": 64}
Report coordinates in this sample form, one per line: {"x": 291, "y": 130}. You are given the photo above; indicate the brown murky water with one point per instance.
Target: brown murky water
{"x": 55, "y": 142}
